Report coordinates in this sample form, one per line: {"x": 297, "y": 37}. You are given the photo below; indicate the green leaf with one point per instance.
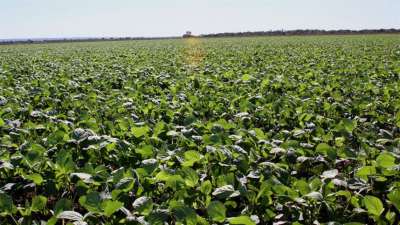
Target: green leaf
{"x": 191, "y": 157}
{"x": 373, "y": 205}
{"x": 366, "y": 171}
{"x": 206, "y": 187}
{"x": 394, "y": 197}
{"x": 110, "y": 207}
{"x": 2, "y": 123}
{"x": 34, "y": 154}
{"x": 140, "y": 131}
{"x": 172, "y": 180}
{"x": 385, "y": 160}
{"x": 52, "y": 221}
{"x": 123, "y": 124}
{"x": 216, "y": 210}
{"x": 38, "y": 203}
{"x": 348, "y": 125}
{"x": 246, "y": 77}
{"x": 184, "y": 214}
{"x": 56, "y": 137}
{"x": 158, "y": 128}
{"x": 126, "y": 184}
{"x": 144, "y": 205}
{"x": 62, "y": 205}
{"x": 326, "y": 150}
{"x": 146, "y": 151}
{"x": 157, "y": 217}
{"x": 6, "y": 204}
{"x": 36, "y": 178}
{"x": 91, "y": 123}
{"x": 91, "y": 202}
{"x": 190, "y": 176}
{"x": 323, "y": 147}
{"x": 64, "y": 162}
{"x": 241, "y": 220}
{"x": 302, "y": 186}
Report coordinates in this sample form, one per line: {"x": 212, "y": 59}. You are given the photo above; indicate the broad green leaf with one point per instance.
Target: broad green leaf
{"x": 146, "y": 151}
{"x": 241, "y": 220}
{"x": 140, "y": 131}
{"x": 125, "y": 184}
{"x": 302, "y": 186}
{"x": 172, "y": 180}
{"x": 36, "y": 178}
{"x": 144, "y": 205}
{"x": 157, "y": 217}
{"x": 184, "y": 214}
{"x": 216, "y": 210}
{"x": 190, "y": 176}
{"x": 64, "y": 162}
{"x": 385, "y": 160}
{"x": 366, "y": 171}
{"x": 373, "y": 205}
{"x": 206, "y": 187}
{"x": 326, "y": 150}
{"x": 52, "y": 221}
{"x": 56, "y": 137}
{"x": 394, "y": 197}
{"x": 34, "y": 154}
{"x": 323, "y": 147}
{"x": 110, "y": 207}
{"x": 62, "y": 205}
{"x": 246, "y": 77}
{"x": 348, "y": 125}
{"x": 38, "y": 203}
{"x": 91, "y": 202}
{"x": 158, "y": 128}
{"x": 191, "y": 157}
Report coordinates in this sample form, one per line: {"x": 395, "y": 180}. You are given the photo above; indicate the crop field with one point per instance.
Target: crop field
{"x": 266, "y": 130}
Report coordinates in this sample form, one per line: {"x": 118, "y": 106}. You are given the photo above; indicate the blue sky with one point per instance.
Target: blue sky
{"x": 83, "y": 18}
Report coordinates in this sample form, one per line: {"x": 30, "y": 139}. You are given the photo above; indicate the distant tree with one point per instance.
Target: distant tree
{"x": 188, "y": 34}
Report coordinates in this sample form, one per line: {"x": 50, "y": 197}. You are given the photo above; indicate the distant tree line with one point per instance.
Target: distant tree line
{"x": 227, "y": 34}
{"x": 303, "y": 32}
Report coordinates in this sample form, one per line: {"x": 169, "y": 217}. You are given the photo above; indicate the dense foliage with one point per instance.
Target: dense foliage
{"x": 296, "y": 130}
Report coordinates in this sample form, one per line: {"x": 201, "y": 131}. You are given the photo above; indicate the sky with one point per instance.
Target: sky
{"x": 155, "y": 18}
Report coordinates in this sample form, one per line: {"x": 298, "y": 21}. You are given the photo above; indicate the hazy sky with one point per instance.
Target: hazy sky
{"x": 74, "y": 18}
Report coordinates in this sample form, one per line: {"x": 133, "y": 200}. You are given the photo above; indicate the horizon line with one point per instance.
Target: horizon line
{"x": 83, "y": 38}
{"x": 77, "y": 37}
